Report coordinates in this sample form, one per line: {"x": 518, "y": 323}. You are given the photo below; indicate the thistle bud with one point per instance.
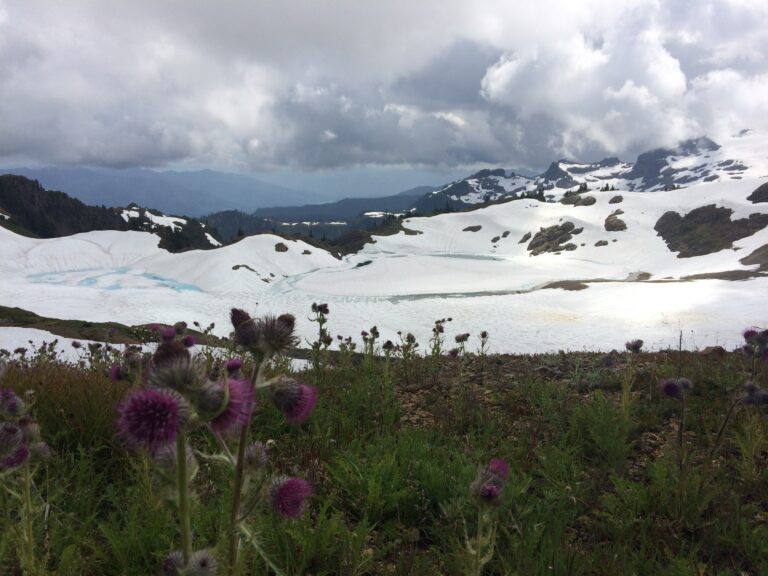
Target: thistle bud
{"x": 296, "y": 401}
{"x": 210, "y": 400}
{"x": 490, "y": 482}
{"x": 180, "y": 375}
{"x": 11, "y": 406}
{"x": 256, "y": 457}
{"x": 173, "y": 564}
{"x": 246, "y": 333}
{"x": 170, "y": 351}
{"x": 276, "y": 334}
{"x": 634, "y": 346}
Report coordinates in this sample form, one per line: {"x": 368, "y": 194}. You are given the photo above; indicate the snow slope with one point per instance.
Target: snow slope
{"x": 485, "y": 279}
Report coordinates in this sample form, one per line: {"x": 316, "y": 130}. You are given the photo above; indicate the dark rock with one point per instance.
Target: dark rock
{"x": 618, "y": 199}
{"x": 759, "y": 195}
{"x": 280, "y": 247}
{"x": 706, "y": 230}
{"x": 601, "y": 243}
{"x": 475, "y": 228}
{"x": 525, "y": 238}
{"x": 615, "y": 224}
{"x": 552, "y": 239}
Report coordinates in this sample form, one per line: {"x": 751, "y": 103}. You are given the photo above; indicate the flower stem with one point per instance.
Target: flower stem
{"x": 237, "y": 489}
{"x": 29, "y": 534}
{"x": 182, "y": 485}
{"x": 720, "y": 432}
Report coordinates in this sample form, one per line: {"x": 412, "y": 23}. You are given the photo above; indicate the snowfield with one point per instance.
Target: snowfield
{"x": 441, "y": 266}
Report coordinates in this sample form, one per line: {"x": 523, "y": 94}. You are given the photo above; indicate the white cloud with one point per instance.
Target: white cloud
{"x": 438, "y": 83}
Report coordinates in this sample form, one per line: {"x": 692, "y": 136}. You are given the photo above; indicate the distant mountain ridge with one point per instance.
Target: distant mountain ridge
{"x": 31, "y": 209}
{"x": 690, "y": 162}
{"x": 192, "y": 193}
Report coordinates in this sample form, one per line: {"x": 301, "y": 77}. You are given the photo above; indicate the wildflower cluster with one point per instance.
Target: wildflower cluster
{"x": 755, "y": 343}
{"x": 179, "y": 394}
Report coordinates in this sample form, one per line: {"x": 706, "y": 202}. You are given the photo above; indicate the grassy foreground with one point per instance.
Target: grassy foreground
{"x": 601, "y": 480}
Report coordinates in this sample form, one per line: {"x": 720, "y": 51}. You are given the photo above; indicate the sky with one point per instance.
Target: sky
{"x": 316, "y": 93}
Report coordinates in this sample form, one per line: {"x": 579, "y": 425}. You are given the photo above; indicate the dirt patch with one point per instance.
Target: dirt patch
{"x": 570, "y": 285}
{"x": 280, "y": 247}
{"x": 238, "y": 266}
{"x": 475, "y": 228}
{"x": 306, "y": 253}
{"x": 725, "y": 275}
{"x": 759, "y": 195}
{"x": 706, "y": 230}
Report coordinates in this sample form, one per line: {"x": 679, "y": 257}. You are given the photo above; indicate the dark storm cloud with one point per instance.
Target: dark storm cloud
{"x": 306, "y": 85}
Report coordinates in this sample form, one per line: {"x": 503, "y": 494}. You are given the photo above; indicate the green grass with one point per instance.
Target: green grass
{"x": 392, "y": 453}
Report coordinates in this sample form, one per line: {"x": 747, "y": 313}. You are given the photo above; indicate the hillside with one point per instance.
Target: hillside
{"x": 30, "y": 209}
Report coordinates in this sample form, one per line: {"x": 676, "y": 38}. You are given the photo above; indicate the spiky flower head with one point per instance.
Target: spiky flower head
{"x": 233, "y": 366}
{"x": 750, "y": 334}
{"x": 453, "y": 352}
{"x": 320, "y": 308}
{"x": 173, "y": 564}
{"x": 461, "y": 338}
{"x": 180, "y": 328}
{"x": 484, "y": 335}
{"x": 11, "y": 438}
{"x": 246, "y": 333}
{"x": 11, "y": 406}
{"x": 276, "y": 334}
{"x": 16, "y": 458}
{"x": 499, "y": 467}
{"x": 288, "y": 495}
{"x": 388, "y": 346}
{"x": 182, "y": 375}
{"x": 201, "y": 563}
{"x": 754, "y": 395}
{"x": 210, "y": 399}
{"x": 490, "y": 482}
{"x": 634, "y": 346}
{"x": 151, "y": 418}
{"x": 295, "y": 400}
{"x": 167, "y": 333}
{"x": 116, "y": 372}
{"x": 189, "y": 340}
{"x": 170, "y": 352}
{"x": 240, "y": 404}
{"x": 675, "y": 387}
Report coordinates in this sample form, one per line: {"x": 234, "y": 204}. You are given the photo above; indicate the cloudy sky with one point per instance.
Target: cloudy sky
{"x": 406, "y": 92}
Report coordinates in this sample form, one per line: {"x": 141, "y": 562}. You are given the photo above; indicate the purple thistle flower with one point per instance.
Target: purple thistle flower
{"x": 634, "y": 346}
{"x": 296, "y": 401}
{"x": 671, "y": 388}
{"x": 116, "y": 372}
{"x": 16, "y": 459}
{"x": 189, "y": 341}
{"x": 490, "y": 481}
{"x": 489, "y": 492}
{"x": 151, "y": 418}
{"x": 749, "y": 335}
{"x": 499, "y": 467}
{"x": 289, "y": 495}
{"x": 10, "y": 404}
{"x": 453, "y": 352}
{"x": 167, "y": 333}
{"x": 239, "y": 407}
{"x": 233, "y": 365}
